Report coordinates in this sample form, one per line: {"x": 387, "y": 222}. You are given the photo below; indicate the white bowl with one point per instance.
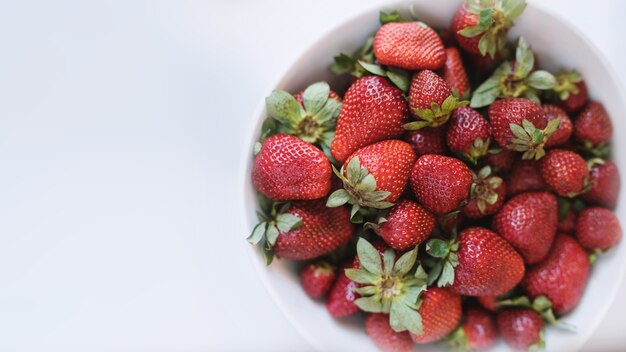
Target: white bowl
{"x": 558, "y": 45}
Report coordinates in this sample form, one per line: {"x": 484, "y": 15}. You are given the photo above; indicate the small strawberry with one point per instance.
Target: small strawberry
{"x": 469, "y": 133}
{"x": 340, "y": 302}
{"x": 454, "y": 73}
{"x": 528, "y": 222}
{"x": 288, "y": 168}
{"x": 317, "y": 278}
{"x": 604, "y": 184}
{"x": 565, "y": 172}
{"x": 525, "y": 177}
{"x": 481, "y": 27}
{"x": 440, "y": 183}
{"x": 378, "y": 328}
{"x": 409, "y": 45}
{"x": 478, "y": 331}
{"x": 406, "y": 225}
{"x": 598, "y": 228}
{"x": 561, "y": 276}
{"x": 571, "y": 91}
{"x": 593, "y": 125}
{"x": 565, "y": 130}
{"x": 441, "y": 312}
{"x": 486, "y": 195}
{"x": 374, "y": 176}
{"x": 373, "y": 110}
{"x": 427, "y": 140}
{"x": 501, "y": 160}
{"x": 521, "y": 328}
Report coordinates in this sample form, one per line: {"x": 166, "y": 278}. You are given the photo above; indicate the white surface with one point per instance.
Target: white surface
{"x": 121, "y": 126}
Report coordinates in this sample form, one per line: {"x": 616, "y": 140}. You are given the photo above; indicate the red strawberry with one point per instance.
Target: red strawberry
{"x": 561, "y": 276}
{"x": 440, "y": 183}
{"x": 522, "y": 329}
{"x": 598, "y": 228}
{"x": 528, "y": 222}
{"x": 593, "y": 125}
{"x": 568, "y": 223}
{"x": 409, "y": 45}
{"x": 373, "y": 110}
{"x": 288, "y": 168}
{"x": 469, "y": 133}
{"x": 431, "y": 100}
{"x": 478, "y": 331}
{"x": 489, "y": 35}
{"x": 317, "y": 278}
{"x": 564, "y": 132}
{"x": 378, "y": 328}
{"x": 407, "y": 225}
{"x": 565, "y": 172}
{"x": 487, "y": 266}
{"x": 525, "y": 177}
{"x": 427, "y": 140}
{"x": 486, "y": 196}
{"x": 604, "y": 185}
{"x": 490, "y": 303}
{"x": 342, "y": 295}
{"x": 441, "y": 313}
{"x": 454, "y": 73}
{"x": 501, "y": 161}
{"x": 572, "y": 91}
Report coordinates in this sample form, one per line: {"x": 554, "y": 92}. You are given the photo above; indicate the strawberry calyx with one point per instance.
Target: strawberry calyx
{"x": 436, "y": 115}
{"x": 513, "y": 80}
{"x": 589, "y": 149}
{"x": 478, "y": 149}
{"x": 389, "y": 286}
{"x": 399, "y": 77}
{"x": 542, "y": 305}
{"x": 495, "y": 19}
{"x": 483, "y": 189}
{"x": 457, "y": 341}
{"x": 531, "y": 140}
{"x": 344, "y": 63}
{"x": 444, "y": 260}
{"x": 566, "y": 84}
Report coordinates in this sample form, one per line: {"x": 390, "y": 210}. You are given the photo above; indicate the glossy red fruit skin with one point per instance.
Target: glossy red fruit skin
{"x": 288, "y": 168}
{"x": 408, "y": 224}
{"x": 528, "y": 222}
{"x": 480, "y": 328}
{"x": 471, "y": 208}
{"x": 520, "y": 327}
{"x": 462, "y": 19}
{"x": 565, "y": 130}
{"x": 454, "y": 72}
{"x": 426, "y": 88}
{"x": 427, "y": 140}
{"x": 504, "y": 112}
{"x": 565, "y": 172}
{"x": 598, "y": 228}
{"x": 323, "y": 230}
{"x": 593, "y": 124}
{"x": 390, "y": 162}
{"x": 488, "y": 265}
{"x": 340, "y": 302}
{"x": 605, "y": 185}
{"x": 561, "y": 276}
{"x": 316, "y": 280}
{"x": 378, "y": 329}
{"x": 490, "y": 303}
{"x": 575, "y": 102}
{"x": 525, "y": 177}
{"x": 440, "y": 182}
{"x": 441, "y": 313}
{"x": 502, "y": 161}
{"x": 568, "y": 223}
{"x": 465, "y": 126}
{"x": 409, "y": 45}
{"x": 373, "y": 110}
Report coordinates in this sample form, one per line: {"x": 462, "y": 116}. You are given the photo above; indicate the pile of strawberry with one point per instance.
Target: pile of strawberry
{"x": 439, "y": 217}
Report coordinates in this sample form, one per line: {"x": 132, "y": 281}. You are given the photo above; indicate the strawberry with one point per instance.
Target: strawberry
{"x": 565, "y": 172}
{"x": 521, "y": 125}
{"x": 490, "y": 303}
{"x": 440, "y": 183}
{"x": 528, "y": 222}
{"x": 487, "y": 264}
{"x": 521, "y": 328}
{"x": 564, "y": 132}
{"x": 441, "y": 312}
{"x": 409, "y": 45}
{"x": 454, "y": 73}
{"x": 478, "y": 331}
{"x": 486, "y": 196}
{"x": 378, "y": 328}
{"x": 567, "y": 223}
{"x": 571, "y": 90}
{"x": 501, "y": 160}
{"x": 340, "y": 302}
{"x": 561, "y": 276}
{"x": 317, "y": 278}
{"x": 593, "y": 125}
{"x": 431, "y": 100}
{"x": 406, "y": 225}
{"x": 604, "y": 184}
{"x": 374, "y": 176}
{"x": 525, "y": 177}
{"x": 427, "y": 140}
{"x": 469, "y": 133}
{"x": 481, "y": 28}
{"x": 288, "y": 168}
{"x": 598, "y": 228}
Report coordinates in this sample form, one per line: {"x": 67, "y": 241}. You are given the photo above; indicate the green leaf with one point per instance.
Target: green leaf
{"x": 271, "y": 235}
{"x": 315, "y": 96}
{"x": 361, "y": 276}
{"x": 329, "y": 112}
{"x": 447, "y": 275}
{"x": 415, "y": 125}
{"x": 541, "y": 80}
{"x": 420, "y": 274}
{"x": 268, "y": 128}
{"x": 284, "y": 107}
{"x": 513, "y": 9}
{"x": 343, "y": 64}
{"x": 438, "y": 248}
{"x": 375, "y": 196}
{"x": 288, "y": 222}
{"x": 552, "y": 126}
{"x": 487, "y": 44}
{"x": 367, "y": 184}
{"x": 405, "y": 263}
{"x": 402, "y": 318}
{"x": 389, "y": 258}
{"x": 434, "y": 273}
{"x": 354, "y": 170}
{"x": 484, "y": 172}
{"x": 257, "y": 233}
{"x": 370, "y": 304}
{"x": 388, "y": 17}
{"x": 484, "y": 98}
{"x": 519, "y": 132}
{"x": 268, "y": 255}
{"x": 531, "y": 94}
{"x": 373, "y": 69}
{"x": 524, "y": 59}
{"x": 399, "y": 77}
{"x": 338, "y": 198}
{"x": 369, "y": 257}
{"x": 257, "y": 148}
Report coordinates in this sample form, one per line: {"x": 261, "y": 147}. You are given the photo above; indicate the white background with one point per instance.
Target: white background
{"x": 121, "y": 125}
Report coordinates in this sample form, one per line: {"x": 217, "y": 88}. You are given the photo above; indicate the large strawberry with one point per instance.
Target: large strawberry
{"x": 571, "y": 91}
{"x": 441, "y": 183}
{"x": 317, "y": 278}
{"x": 528, "y": 222}
{"x": 481, "y": 27}
{"x": 525, "y": 177}
{"x": 604, "y": 185}
{"x": 598, "y": 228}
{"x": 378, "y": 328}
{"x": 441, "y": 311}
{"x": 521, "y": 328}
{"x": 427, "y": 140}
{"x": 561, "y": 276}
{"x": 486, "y": 196}
{"x": 565, "y": 130}
{"x": 469, "y": 133}
{"x": 454, "y": 73}
{"x": 565, "y": 172}
{"x": 406, "y": 225}
{"x": 342, "y": 294}
{"x": 409, "y": 45}
{"x": 593, "y": 125}
{"x": 288, "y": 168}
{"x": 478, "y": 331}
{"x": 373, "y": 110}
